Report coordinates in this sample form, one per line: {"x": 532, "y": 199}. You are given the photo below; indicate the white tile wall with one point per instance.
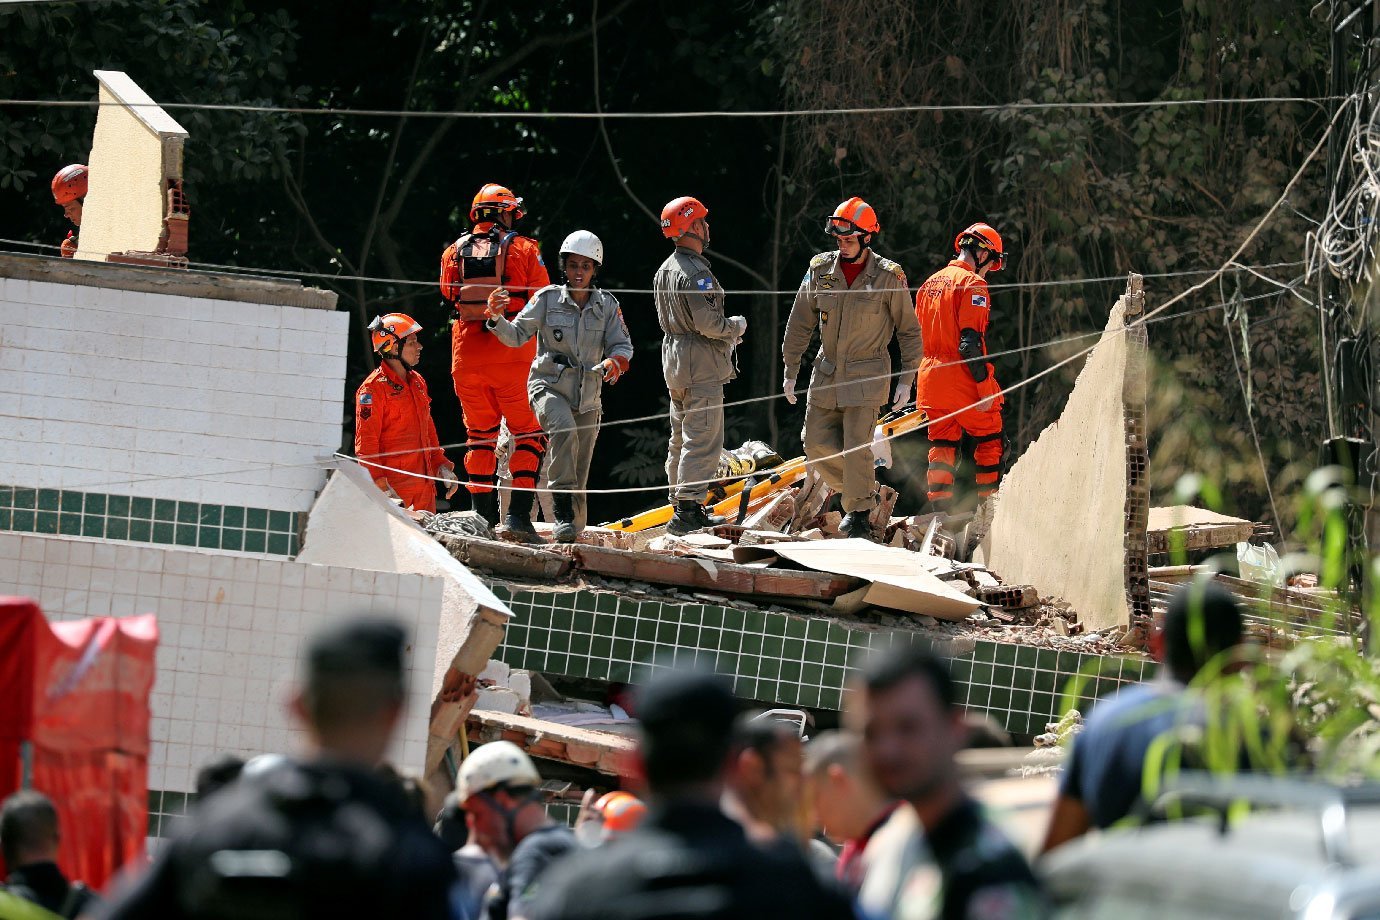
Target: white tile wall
{"x": 231, "y": 629}
{"x": 135, "y": 393}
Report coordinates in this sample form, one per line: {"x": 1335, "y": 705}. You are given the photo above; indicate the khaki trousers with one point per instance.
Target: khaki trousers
{"x": 829, "y": 431}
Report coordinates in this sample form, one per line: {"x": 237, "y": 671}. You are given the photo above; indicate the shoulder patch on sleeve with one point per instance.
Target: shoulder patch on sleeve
{"x": 366, "y": 398}
{"x": 704, "y": 282}
{"x": 979, "y": 300}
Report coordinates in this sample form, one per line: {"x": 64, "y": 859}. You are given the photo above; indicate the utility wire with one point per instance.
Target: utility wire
{"x": 270, "y": 273}
{"x": 508, "y": 114}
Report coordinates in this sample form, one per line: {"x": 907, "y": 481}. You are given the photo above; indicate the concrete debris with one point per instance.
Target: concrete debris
{"x": 776, "y": 514}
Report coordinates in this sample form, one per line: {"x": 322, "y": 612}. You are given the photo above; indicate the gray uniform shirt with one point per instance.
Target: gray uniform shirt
{"x": 855, "y": 327}
{"x": 570, "y": 342}
{"x": 697, "y": 349}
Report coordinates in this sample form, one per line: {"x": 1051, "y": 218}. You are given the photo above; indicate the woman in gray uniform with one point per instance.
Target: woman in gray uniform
{"x": 582, "y": 343}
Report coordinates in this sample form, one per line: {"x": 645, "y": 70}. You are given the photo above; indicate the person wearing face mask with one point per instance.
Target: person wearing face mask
{"x": 393, "y": 425}
{"x": 583, "y": 343}
{"x": 857, "y": 300}
{"x": 958, "y": 387}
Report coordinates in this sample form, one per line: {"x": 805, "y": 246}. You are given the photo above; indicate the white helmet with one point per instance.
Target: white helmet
{"x": 584, "y": 243}
{"x": 497, "y": 763}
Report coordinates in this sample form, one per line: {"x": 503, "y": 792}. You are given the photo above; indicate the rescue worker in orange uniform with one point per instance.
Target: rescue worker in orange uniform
{"x": 957, "y": 386}
{"x": 69, "y": 191}
{"x": 491, "y": 263}
{"x": 393, "y": 426}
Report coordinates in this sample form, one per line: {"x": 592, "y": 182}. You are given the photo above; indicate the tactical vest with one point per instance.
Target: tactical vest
{"x": 476, "y": 267}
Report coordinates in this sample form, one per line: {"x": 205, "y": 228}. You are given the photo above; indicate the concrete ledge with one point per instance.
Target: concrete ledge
{"x": 180, "y": 283}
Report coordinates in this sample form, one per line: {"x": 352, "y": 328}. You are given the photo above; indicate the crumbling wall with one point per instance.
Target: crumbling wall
{"x": 353, "y": 524}
{"x": 135, "y": 153}
{"x": 1070, "y": 517}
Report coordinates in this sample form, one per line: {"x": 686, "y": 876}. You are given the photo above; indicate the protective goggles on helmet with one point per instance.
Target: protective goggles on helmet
{"x": 840, "y": 226}
{"x": 998, "y": 259}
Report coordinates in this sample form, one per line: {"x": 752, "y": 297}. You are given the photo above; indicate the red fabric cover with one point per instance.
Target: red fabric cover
{"x": 78, "y": 692}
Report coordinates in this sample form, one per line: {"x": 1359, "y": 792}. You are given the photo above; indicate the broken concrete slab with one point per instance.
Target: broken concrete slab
{"x": 897, "y": 578}
{"x": 353, "y": 524}
{"x": 1060, "y": 519}
{"x": 712, "y": 575}
{"x": 1188, "y": 528}
{"x": 503, "y": 558}
{"x": 603, "y": 751}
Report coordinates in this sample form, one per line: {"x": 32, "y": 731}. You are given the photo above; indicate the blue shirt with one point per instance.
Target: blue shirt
{"x": 1106, "y": 768}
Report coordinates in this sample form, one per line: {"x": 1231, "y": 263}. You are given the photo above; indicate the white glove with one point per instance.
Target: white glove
{"x": 447, "y": 475}
{"x": 740, "y": 325}
{"x": 788, "y": 387}
{"x": 905, "y": 392}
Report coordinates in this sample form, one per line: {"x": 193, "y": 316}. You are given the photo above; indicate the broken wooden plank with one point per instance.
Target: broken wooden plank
{"x": 711, "y": 575}
{"x": 507, "y": 558}
{"x": 603, "y": 751}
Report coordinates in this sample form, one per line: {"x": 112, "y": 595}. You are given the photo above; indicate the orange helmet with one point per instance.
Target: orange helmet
{"x": 853, "y": 216}
{"x": 495, "y": 197}
{"x": 70, "y": 183}
{"x": 621, "y": 811}
{"x": 679, "y": 214}
{"x": 985, "y": 238}
{"x": 389, "y": 330}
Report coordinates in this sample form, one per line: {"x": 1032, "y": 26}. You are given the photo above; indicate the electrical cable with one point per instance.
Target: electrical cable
{"x": 507, "y": 114}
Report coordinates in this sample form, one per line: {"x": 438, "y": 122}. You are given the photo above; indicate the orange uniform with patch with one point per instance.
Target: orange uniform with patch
{"x": 393, "y": 427}
{"x": 491, "y": 378}
{"x": 953, "y": 299}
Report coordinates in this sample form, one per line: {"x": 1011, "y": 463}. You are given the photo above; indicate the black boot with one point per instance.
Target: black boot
{"x": 518, "y": 520}
{"x": 485, "y": 504}
{"x": 689, "y": 517}
{"x": 563, "y": 503}
{"x": 856, "y": 525}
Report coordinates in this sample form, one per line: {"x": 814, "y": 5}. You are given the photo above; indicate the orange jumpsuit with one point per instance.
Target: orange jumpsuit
{"x": 491, "y": 378}
{"x": 393, "y": 427}
{"x": 951, "y": 300}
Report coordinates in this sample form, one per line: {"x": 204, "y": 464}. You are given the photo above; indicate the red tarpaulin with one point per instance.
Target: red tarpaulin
{"x": 77, "y": 693}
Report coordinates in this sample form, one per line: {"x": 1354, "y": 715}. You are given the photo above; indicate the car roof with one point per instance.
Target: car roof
{"x": 1267, "y": 860}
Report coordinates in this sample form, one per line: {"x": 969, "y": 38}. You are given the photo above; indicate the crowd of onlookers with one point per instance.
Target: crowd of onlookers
{"x": 737, "y": 814}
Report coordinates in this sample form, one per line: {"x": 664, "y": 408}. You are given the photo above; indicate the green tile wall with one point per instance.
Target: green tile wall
{"x": 148, "y": 520}
{"x": 784, "y": 658}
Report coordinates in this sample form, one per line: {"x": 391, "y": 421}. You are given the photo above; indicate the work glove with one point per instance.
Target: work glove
{"x": 905, "y": 392}
{"x": 788, "y": 387}
{"x": 498, "y": 303}
{"x": 447, "y": 475}
{"x": 739, "y": 326}
{"x": 612, "y": 368}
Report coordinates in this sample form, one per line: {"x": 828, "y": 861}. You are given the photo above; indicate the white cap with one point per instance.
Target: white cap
{"x": 584, "y": 243}
{"x": 495, "y": 764}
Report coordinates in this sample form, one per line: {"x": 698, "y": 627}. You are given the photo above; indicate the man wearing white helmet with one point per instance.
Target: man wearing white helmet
{"x": 583, "y": 343}
{"x": 499, "y": 789}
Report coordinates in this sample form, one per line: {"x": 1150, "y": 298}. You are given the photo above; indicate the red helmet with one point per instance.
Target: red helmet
{"x": 621, "y": 811}
{"x": 986, "y": 238}
{"x": 70, "y": 183}
{"x": 679, "y": 214}
{"x": 853, "y": 216}
{"x": 495, "y": 197}
{"x": 389, "y": 330}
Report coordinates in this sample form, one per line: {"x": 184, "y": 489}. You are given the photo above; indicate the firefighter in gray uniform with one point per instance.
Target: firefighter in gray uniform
{"x": 582, "y": 343}
{"x": 697, "y": 359}
{"x": 857, "y": 300}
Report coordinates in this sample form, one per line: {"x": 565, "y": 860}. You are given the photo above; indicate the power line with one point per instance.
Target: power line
{"x": 1020, "y": 106}
{"x": 253, "y": 270}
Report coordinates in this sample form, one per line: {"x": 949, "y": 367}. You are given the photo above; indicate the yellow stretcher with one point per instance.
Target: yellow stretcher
{"x": 783, "y": 476}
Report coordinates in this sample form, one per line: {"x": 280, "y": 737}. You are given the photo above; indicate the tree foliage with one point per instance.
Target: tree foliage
{"x": 1077, "y": 192}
